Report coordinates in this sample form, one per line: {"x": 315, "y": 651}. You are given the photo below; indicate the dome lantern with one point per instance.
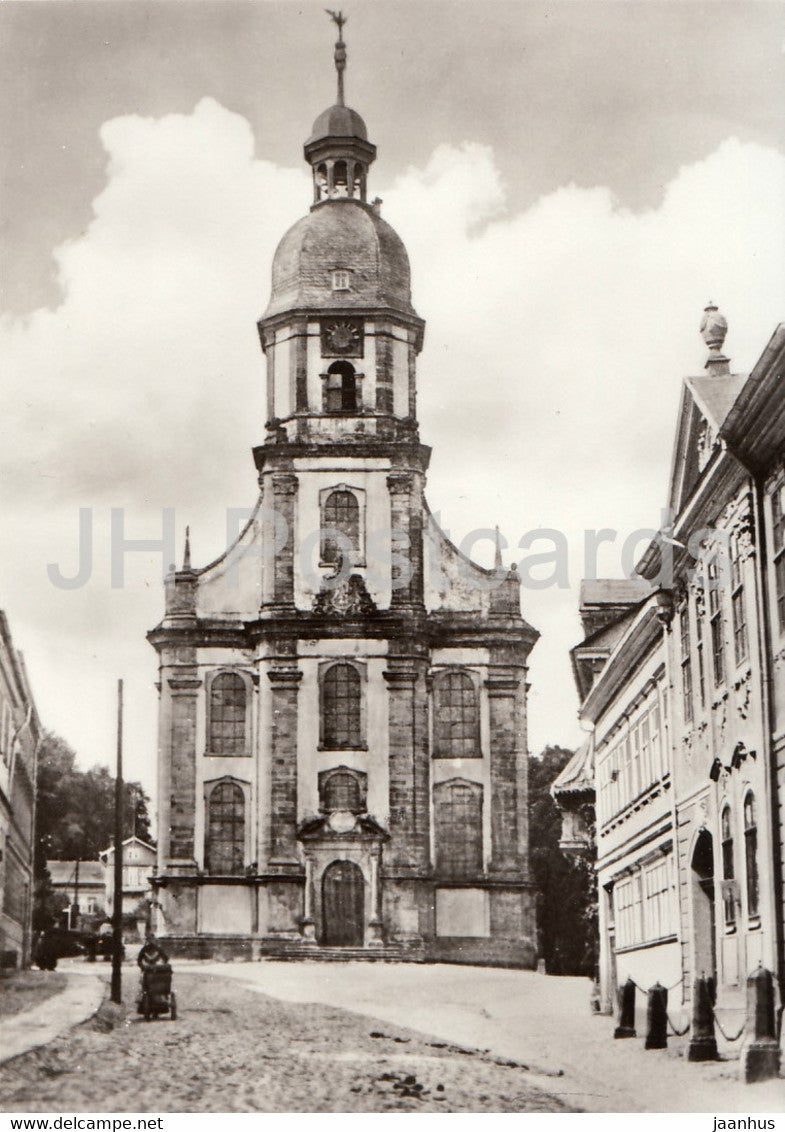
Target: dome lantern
{"x": 338, "y": 149}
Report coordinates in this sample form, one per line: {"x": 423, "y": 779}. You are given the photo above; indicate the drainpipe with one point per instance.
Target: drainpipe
{"x": 765, "y": 649}
{"x": 665, "y": 613}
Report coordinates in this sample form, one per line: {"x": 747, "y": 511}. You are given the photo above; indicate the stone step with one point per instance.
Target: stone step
{"x": 298, "y": 952}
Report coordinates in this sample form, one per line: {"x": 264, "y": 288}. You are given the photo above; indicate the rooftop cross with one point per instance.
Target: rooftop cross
{"x": 340, "y": 50}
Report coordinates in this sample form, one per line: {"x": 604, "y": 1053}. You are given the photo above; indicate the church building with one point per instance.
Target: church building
{"x": 342, "y": 736}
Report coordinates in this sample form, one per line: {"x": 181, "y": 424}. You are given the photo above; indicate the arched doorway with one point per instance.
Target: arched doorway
{"x": 343, "y": 905}
{"x": 703, "y": 913}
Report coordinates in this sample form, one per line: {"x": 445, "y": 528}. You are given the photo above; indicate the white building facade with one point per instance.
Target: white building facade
{"x": 686, "y": 744}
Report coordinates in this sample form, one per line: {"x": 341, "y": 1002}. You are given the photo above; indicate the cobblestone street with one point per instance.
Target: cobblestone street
{"x": 235, "y": 1051}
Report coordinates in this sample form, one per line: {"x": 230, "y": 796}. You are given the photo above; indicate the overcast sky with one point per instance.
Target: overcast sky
{"x": 574, "y": 181}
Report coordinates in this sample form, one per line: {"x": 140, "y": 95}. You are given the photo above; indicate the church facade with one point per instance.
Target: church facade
{"x": 342, "y": 739}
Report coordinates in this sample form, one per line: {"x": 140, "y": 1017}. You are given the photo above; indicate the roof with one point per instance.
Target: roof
{"x": 338, "y": 122}
{"x": 128, "y": 841}
{"x": 715, "y": 394}
{"x": 578, "y": 775}
{"x": 64, "y": 872}
{"x": 345, "y": 234}
{"x": 613, "y": 591}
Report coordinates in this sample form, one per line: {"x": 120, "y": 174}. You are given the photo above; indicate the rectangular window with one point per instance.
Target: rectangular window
{"x": 635, "y": 763}
{"x": 658, "y": 917}
{"x": 341, "y": 280}
{"x": 738, "y": 610}
{"x": 656, "y": 739}
{"x": 715, "y": 622}
{"x": 686, "y": 664}
{"x": 778, "y": 516}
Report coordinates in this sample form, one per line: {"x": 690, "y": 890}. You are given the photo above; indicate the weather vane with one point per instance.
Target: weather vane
{"x": 339, "y": 19}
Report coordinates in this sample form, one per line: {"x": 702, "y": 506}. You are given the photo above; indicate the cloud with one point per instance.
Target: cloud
{"x": 548, "y": 385}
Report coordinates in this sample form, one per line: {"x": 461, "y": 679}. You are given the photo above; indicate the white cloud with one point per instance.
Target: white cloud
{"x": 555, "y": 344}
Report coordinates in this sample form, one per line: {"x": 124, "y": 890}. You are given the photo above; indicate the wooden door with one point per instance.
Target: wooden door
{"x": 343, "y": 905}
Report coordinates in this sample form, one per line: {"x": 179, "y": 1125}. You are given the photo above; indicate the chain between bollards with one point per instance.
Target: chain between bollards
{"x": 727, "y": 1037}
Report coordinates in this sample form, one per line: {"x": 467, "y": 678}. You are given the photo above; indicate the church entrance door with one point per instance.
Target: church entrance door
{"x": 343, "y": 905}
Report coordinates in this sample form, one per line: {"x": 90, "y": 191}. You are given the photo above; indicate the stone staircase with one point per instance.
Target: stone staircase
{"x": 299, "y": 952}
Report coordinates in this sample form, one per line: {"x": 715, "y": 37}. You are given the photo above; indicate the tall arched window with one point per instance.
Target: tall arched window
{"x": 227, "y": 714}
{"x": 457, "y": 809}
{"x": 751, "y": 853}
{"x": 225, "y": 830}
{"x": 341, "y": 707}
{"x": 341, "y": 790}
{"x": 340, "y": 179}
{"x": 729, "y": 901}
{"x": 340, "y": 526}
{"x": 340, "y": 388}
{"x": 456, "y": 717}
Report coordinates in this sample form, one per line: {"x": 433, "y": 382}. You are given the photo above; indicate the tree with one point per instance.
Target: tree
{"x": 75, "y": 808}
{"x": 567, "y": 907}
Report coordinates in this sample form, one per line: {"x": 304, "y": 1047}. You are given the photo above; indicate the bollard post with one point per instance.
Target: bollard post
{"x": 703, "y": 1042}
{"x": 657, "y": 1018}
{"x": 760, "y": 1056}
{"x": 626, "y": 1026}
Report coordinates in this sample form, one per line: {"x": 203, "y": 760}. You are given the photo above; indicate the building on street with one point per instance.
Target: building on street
{"x": 139, "y": 860}
{"x": 343, "y": 754}
{"x": 682, "y": 689}
{"x": 80, "y": 890}
{"x": 20, "y": 735}
{"x": 88, "y": 886}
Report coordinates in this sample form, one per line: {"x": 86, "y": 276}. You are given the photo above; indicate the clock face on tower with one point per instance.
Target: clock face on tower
{"x": 342, "y": 338}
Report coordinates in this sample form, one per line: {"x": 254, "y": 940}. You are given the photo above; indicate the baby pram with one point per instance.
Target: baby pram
{"x": 157, "y": 996}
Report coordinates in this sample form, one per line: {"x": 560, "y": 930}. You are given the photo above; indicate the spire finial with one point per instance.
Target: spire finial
{"x": 497, "y": 554}
{"x": 187, "y": 551}
{"x": 339, "y": 19}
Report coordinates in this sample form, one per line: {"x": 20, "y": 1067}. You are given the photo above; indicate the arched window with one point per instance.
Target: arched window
{"x": 342, "y": 790}
{"x": 340, "y": 526}
{"x": 227, "y": 714}
{"x": 751, "y": 853}
{"x": 322, "y": 190}
{"x": 340, "y": 179}
{"x": 458, "y": 829}
{"x": 456, "y": 717}
{"x": 727, "y": 867}
{"x": 340, "y": 388}
{"x": 225, "y": 830}
{"x": 341, "y": 707}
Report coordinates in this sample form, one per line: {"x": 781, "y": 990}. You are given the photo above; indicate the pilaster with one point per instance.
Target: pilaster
{"x": 508, "y": 776}
{"x": 409, "y": 764}
{"x": 406, "y": 507}
{"x": 284, "y": 676}
{"x": 284, "y": 502}
{"x": 182, "y": 689}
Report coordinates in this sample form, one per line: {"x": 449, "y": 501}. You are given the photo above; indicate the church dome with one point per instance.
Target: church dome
{"x": 347, "y": 236}
{"x": 338, "y": 122}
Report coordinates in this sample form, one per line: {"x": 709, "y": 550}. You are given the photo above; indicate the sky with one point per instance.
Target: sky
{"x": 573, "y": 181}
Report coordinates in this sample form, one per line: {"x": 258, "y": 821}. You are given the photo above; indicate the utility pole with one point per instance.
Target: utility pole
{"x": 75, "y": 908}
{"x": 117, "y": 909}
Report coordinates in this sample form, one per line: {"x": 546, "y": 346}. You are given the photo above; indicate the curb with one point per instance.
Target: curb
{"x": 80, "y": 1000}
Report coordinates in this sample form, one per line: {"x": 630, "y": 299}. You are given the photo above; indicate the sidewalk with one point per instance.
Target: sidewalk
{"x": 540, "y": 1020}
{"x": 82, "y": 996}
